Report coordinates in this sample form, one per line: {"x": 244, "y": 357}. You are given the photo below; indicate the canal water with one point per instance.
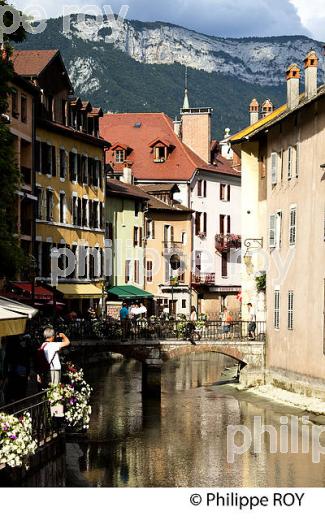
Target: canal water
{"x": 181, "y": 440}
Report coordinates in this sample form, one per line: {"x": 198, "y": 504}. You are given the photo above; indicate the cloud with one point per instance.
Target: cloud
{"x": 312, "y": 14}
{"x": 215, "y": 17}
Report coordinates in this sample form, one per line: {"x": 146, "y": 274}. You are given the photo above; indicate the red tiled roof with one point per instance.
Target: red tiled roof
{"x": 138, "y": 131}
{"x": 32, "y": 63}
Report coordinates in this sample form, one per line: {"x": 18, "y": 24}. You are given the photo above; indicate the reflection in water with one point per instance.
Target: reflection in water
{"x": 181, "y": 441}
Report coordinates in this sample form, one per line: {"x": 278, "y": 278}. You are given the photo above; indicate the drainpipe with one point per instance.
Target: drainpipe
{"x": 34, "y": 260}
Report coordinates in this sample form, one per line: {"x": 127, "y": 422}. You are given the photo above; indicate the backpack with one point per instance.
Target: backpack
{"x": 42, "y": 364}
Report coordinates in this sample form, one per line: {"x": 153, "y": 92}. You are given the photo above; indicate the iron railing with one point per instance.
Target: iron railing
{"x": 44, "y": 428}
{"x": 154, "y": 328}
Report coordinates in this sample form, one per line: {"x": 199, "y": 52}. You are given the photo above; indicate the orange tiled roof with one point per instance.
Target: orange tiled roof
{"x": 138, "y": 130}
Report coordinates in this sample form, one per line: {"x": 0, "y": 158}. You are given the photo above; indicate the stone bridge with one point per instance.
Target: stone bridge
{"x": 152, "y": 354}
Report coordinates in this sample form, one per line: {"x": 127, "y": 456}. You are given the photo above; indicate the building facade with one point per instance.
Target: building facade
{"x": 69, "y": 186}
{"x": 283, "y": 165}
{"x": 157, "y": 151}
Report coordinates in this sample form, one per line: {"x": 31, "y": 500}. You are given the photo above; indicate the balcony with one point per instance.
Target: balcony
{"x": 203, "y": 278}
{"x": 26, "y": 174}
{"x": 172, "y": 247}
{"x": 226, "y": 242}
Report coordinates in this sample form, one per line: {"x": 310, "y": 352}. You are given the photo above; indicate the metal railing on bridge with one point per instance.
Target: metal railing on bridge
{"x": 155, "y": 328}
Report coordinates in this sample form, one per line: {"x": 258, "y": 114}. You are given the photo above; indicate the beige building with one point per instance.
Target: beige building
{"x": 168, "y": 252}
{"x": 283, "y": 204}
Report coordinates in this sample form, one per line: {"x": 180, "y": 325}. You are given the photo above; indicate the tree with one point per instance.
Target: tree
{"x": 11, "y": 256}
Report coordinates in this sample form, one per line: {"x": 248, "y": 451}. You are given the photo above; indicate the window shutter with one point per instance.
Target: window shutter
{"x": 153, "y": 228}
{"x": 205, "y": 223}
{"x": 290, "y": 310}
{"x": 272, "y": 240}
{"x": 228, "y": 224}
{"x": 205, "y": 188}
{"x": 293, "y": 226}
{"x": 274, "y": 166}
{"x": 228, "y": 192}
{"x": 43, "y": 204}
{"x": 79, "y": 173}
{"x": 298, "y": 160}
{"x": 276, "y": 309}
{"x": 53, "y": 161}
{"x": 290, "y": 157}
{"x": 172, "y": 233}
{"x": 141, "y": 237}
{"x": 199, "y": 188}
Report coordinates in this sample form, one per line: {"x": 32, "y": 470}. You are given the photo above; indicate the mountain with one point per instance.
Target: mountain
{"x": 143, "y": 69}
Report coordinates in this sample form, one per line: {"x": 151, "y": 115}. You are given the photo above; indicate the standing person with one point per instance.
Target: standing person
{"x": 142, "y": 311}
{"x": 50, "y": 349}
{"x": 252, "y": 321}
{"x": 124, "y": 317}
{"x": 227, "y": 319}
{"x": 193, "y": 313}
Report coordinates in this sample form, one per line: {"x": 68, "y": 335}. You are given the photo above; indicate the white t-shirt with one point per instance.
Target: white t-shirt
{"x": 51, "y": 349}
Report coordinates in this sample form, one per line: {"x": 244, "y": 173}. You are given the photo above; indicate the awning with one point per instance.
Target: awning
{"x": 128, "y": 292}
{"x": 24, "y": 311}
{"x": 41, "y": 293}
{"x": 77, "y": 291}
{"x": 13, "y": 317}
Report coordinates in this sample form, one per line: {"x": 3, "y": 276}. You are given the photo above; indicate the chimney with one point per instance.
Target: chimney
{"x": 293, "y": 77}
{"x": 127, "y": 175}
{"x": 267, "y": 108}
{"x": 311, "y": 64}
{"x": 196, "y": 131}
{"x": 253, "y": 111}
{"x": 177, "y": 127}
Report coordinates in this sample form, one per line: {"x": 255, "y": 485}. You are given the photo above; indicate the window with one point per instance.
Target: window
{"x": 160, "y": 153}
{"x": 197, "y": 223}
{"x": 119, "y": 156}
{"x": 293, "y": 226}
{"x": 63, "y": 164}
{"x": 85, "y": 220}
{"x": 184, "y": 238}
{"x": 149, "y": 271}
{"x": 228, "y": 224}
{"x": 109, "y": 231}
{"x": 23, "y": 109}
{"x": 290, "y": 310}
{"x": 73, "y": 163}
{"x": 62, "y": 208}
{"x": 74, "y": 211}
{"x": 274, "y": 168}
{"x": 225, "y": 192}
{"x": 84, "y": 169}
{"x": 224, "y": 265}
{"x": 205, "y": 223}
{"x": 202, "y": 188}
{"x": 277, "y": 309}
{"x": 135, "y": 236}
{"x": 136, "y": 209}
{"x": 49, "y": 205}
{"x": 183, "y": 304}
{"x": 14, "y": 103}
{"x": 127, "y": 271}
{"x": 278, "y": 229}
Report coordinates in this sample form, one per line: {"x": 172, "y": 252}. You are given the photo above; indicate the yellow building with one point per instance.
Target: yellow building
{"x": 21, "y": 104}
{"x": 69, "y": 166}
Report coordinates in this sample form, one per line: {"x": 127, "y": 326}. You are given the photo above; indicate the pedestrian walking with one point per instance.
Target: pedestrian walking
{"x": 252, "y": 321}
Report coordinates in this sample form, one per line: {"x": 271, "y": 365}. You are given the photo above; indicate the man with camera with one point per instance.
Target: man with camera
{"x": 50, "y": 349}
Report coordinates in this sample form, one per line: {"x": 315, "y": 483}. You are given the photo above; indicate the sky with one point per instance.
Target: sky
{"x": 215, "y": 17}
